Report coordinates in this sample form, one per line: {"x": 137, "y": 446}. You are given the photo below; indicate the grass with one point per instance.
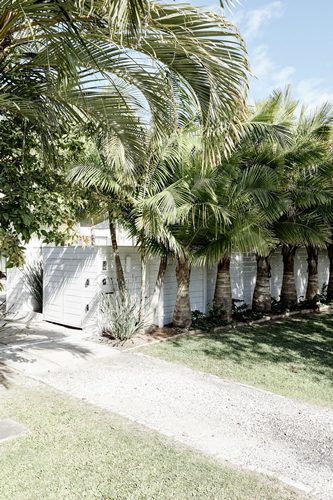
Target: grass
{"x": 293, "y": 358}
{"x": 77, "y": 451}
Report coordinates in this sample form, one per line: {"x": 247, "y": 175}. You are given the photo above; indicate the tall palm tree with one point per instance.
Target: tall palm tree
{"x": 119, "y": 64}
{"x": 245, "y": 229}
{"x": 248, "y": 188}
{"x": 305, "y": 189}
{"x": 143, "y": 199}
{"x": 307, "y": 183}
{"x": 222, "y": 215}
{"x": 116, "y": 61}
{"x": 103, "y": 169}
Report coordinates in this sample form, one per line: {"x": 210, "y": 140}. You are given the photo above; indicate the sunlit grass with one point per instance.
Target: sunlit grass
{"x": 77, "y": 451}
{"x": 293, "y": 358}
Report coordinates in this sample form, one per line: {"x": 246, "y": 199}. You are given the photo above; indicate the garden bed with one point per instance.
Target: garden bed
{"x": 168, "y": 332}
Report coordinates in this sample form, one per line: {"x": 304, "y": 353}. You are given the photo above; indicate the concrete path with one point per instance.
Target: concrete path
{"x": 246, "y": 426}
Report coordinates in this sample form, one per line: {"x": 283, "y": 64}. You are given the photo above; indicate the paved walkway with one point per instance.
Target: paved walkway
{"x": 249, "y": 427}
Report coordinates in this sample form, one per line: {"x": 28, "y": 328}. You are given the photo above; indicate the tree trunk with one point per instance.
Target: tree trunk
{"x": 159, "y": 284}
{"x": 330, "y": 280}
{"x": 182, "y": 315}
{"x": 262, "y": 291}
{"x": 313, "y": 287}
{"x": 222, "y": 295}
{"x": 142, "y": 308}
{"x": 116, "y": 257}
{"x": 288, "y": 290}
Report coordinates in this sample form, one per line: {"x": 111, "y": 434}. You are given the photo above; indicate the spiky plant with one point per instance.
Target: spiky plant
{"x": 33, "y": 279}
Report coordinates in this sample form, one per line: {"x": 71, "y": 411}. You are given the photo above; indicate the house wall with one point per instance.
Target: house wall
{"x": 243, "y": 275}
{"x": 18, "y": 298}
{"x": 100, "y": 234}
{"x": 74, "y": 276}
{"x": 3, "y": 262}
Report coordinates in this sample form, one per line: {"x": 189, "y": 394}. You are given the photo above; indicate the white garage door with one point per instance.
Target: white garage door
{"x": 69, "y": 284}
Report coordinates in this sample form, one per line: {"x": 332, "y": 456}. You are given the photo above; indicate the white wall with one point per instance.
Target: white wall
{"x": 3, "y": 262}
{"x": 100, "y": 234}
{"x": 73, "y": 277}
{"x": 243, "y": 275}
{"x": 18, "y": 298}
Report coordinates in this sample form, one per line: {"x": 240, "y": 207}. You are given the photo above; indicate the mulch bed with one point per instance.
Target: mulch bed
{"x": 167, "y": 332}
{"x": 157, "y": 334}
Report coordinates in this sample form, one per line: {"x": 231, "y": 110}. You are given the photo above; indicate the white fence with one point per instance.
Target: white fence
{"x": 73, "y": 276}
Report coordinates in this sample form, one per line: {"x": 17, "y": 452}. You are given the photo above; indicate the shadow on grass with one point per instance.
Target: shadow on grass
{"x": 14, "y": 339}
{"x": 297, "y": 341}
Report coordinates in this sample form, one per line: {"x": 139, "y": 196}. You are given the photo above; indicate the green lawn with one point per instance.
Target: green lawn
{"x": 77, "y": 451}
{"x": 293, "y": 358}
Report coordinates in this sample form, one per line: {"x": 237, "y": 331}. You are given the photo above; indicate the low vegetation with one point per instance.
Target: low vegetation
{"x": 293, "y": 358}
{"x": 75, "y": 450}
{"x": 119, "y": 315}
{"x": 33, "y": 279}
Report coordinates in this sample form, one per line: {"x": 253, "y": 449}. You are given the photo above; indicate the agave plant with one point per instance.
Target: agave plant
{"x": 119, "y": 315}
{"x": 33, "y": 280}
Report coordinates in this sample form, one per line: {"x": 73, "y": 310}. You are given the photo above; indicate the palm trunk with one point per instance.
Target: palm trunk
{"x": 142, "y": 308}
{"x": 222, "y": 295}
{"x": 116, "y": 257}
{"x": 288, "y": 290}
{"x": 262, "y": 291}
{"x": 159, "y": 284}
{"x": 330, "y": 280}
{"x": 182, "y": 315}
{"x": 313, "y": 286}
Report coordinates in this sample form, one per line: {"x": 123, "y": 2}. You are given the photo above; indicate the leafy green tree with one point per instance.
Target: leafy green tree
{"x": 35, "y": 199}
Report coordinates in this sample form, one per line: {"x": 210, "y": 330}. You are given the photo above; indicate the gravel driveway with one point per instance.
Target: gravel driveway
{"x": 246, "y": 426}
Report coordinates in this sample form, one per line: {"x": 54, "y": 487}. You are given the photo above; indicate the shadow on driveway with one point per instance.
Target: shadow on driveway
{"x": 17, "y": 337}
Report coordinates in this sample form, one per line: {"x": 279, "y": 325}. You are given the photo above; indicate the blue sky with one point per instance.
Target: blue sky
{"x": 289, "y": 42}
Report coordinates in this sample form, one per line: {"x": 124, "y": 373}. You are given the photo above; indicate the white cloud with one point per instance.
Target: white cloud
{"x": 264, "y": 67}
{"x": 283, "y": 75}
{"x": 261, "y": 63}
{"x": 267, "y": 74}
{"x": 257, "y": 18}
{"x": 312, "y": 92}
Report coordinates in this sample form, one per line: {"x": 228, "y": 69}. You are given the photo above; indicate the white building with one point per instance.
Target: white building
{"x": 74, "y": 275}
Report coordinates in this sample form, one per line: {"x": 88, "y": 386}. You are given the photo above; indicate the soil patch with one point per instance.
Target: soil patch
{"x": 157, "y": 334}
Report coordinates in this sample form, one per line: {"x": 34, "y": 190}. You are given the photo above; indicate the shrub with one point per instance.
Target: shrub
{"x": 33, "y": 280}
{"x": 119, "y": 315}
{"x": 207, "y": 322}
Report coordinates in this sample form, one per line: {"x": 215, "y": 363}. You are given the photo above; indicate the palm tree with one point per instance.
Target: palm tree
{"x": 119, "y": 62}
{"x": 248, "y": 188}
{"x": 306, "y": 191}
{"x": 226, "y": 209}
{"x": 244, "y": 229}
{"x": 122, "y": 65}
{"x": 104, "y": 170}
{"x": 143, "y": 199}
{"x": 174, "y": 206}
{"x": 309, "y": 189}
